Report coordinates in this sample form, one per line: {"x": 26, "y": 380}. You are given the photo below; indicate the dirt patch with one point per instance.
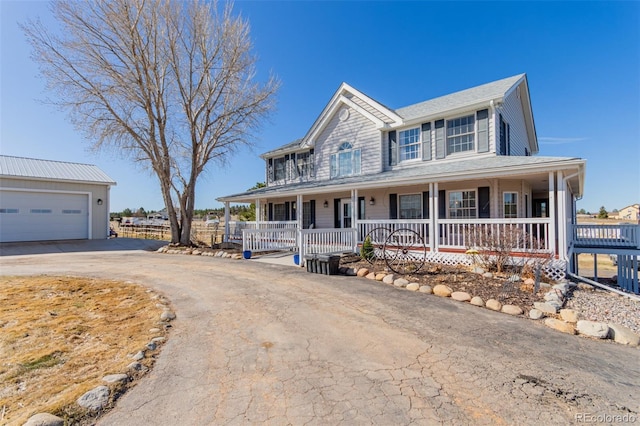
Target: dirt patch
{"x": 460, "y": 278}
{"x": 60, "y": 335}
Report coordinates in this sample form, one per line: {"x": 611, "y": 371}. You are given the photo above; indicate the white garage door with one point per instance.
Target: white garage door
{"x": 40, "y": 216}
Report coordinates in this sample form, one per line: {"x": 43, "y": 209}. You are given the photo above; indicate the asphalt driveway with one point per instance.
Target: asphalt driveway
{"x": 259, "y": 343}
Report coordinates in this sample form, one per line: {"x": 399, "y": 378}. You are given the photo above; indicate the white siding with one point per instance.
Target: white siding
{"x": 357, "y": 130}
{"x": 99, "y": 213}
{"x": 513, "y": 114}
{"x": 367, "y": 107}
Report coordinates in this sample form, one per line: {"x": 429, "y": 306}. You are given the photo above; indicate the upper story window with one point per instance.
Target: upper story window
{"x": 462, "y": 204}
{"x": 304, "y": 164}
{"x": 345, "y": 162}
{"x": 460, "y": 134}
{"x": 409, "y": 144}
{"x": 279, "y": 169}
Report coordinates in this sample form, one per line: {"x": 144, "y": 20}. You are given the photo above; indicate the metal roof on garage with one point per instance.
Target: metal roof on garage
{"x": 32, "y": 168}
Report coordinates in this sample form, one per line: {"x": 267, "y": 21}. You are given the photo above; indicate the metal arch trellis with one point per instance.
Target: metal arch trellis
{"x": 403, "y": 250}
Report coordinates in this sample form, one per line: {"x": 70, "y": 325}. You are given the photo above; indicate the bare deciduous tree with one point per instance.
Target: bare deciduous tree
{"x": 171, "y": 84}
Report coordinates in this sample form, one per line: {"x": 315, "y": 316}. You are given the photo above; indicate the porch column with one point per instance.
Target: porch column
{"x": 355, "y": 208}
{"x": 227, "y": 217}
{"x": 299, "y": 226}
{"x": 552, "y": 212}
{"x": 258, "y": 212}
{"x": 432, "y": 211}
{"x": 562, "y": 216}
{"x": 435, "y": 208}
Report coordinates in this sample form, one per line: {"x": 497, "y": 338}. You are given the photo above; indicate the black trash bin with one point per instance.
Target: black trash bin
{"x": 311, "y": 262}
{"x": 323, "y": 261}
{"x": 329, "y": 264}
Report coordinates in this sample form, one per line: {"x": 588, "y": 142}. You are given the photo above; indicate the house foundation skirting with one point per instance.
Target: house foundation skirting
{"x": 554, "y": 269}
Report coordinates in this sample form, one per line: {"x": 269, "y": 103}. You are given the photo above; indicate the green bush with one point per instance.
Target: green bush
{"x": 367, "y": 251}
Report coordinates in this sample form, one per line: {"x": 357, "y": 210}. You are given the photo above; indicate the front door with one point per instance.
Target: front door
{"x": 345, "y": 213}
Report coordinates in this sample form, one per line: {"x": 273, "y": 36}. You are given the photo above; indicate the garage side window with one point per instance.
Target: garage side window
{"x": 41, "y": 211}
{"x": 9, "y": 211}
{"x": 71, "y": 211}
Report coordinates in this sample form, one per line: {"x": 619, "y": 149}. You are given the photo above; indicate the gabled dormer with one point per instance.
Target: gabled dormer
{"x": 491, "y": 119}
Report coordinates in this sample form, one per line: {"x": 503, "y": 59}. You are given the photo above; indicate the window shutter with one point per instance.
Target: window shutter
{"x": 425, "y": 205}
{"x": 287, "y": 168}
{"x": 503, "y": 137}
{"x": 393, "y": 206}
{"x": 287, "y": 207}
{"x": 484, "y": 202}
{"x": 482, "y": 117}
{"x": 393, "y": 148}
{"x": 336, "y": 212}
{"x": 508, "y": 139}
{"x": 270, "y": 212}
{"x": 356, "y": 161}
{"x": 312, "y": 212}
{"x": 442, "y": 204}
{"x": 270, "y": 170}
{"x": 426, "y": 141}
{"x": 440, "y": 142}
{"x": 311, "y": 163}
{"x": 333, "y": 166}
{"x": 361, "y": 205}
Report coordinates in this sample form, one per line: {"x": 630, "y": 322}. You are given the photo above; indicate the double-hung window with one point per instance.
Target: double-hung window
{"x": 410, "y": 206}
{"x": 304, "y": 164}
{"x": 345, "y": 162}
{"x": 279, "y": 212}
{"x": 460, "y": 134}
{"x": 462, "y": 204}
{"x": 279, "y": 169}
{"x": 410, "y": 144}
{"x": 510, "y": 203}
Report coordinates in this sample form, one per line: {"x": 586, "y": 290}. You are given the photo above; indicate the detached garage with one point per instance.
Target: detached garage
{"x": 44, "y": 200}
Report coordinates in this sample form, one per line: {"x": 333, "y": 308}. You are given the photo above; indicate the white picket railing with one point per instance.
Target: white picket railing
{"x": 421, "y": 226}
{"x": 271, "y": 239}
{"x": 322, "y": 241}
{"x": 526, "y": 234}
{"x": 236, "y": 227}
{"x": 619, "y": 236}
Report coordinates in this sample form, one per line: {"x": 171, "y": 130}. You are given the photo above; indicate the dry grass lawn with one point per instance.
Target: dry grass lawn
{"x": 60, "y": 335}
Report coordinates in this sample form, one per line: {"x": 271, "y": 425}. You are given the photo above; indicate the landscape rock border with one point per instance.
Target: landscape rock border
{"x": 563, "y": 320}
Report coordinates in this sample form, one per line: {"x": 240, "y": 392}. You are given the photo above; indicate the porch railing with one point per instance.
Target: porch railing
{"x": 270, "y": 239}
{"x": 614, "y": 236}
{"x": 526, "y": 234}
{"x": 236, "y": 227}
{"x": 322, "y": 241}
{"x": 464, "y": 233}
{"x": 421, "y": 226}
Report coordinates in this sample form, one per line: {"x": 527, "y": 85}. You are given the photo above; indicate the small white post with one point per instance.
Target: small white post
{"x": 258, "y": 212}
{"x": 227, "y": 218}
{"x": 435, "y": 216}
{"x": 553, "y": 216}
{"x": 431, "y": 216}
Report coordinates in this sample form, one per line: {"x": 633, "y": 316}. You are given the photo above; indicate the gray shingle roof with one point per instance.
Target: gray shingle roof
{"x": 290, "y": 146}
{"x": 31, "y": 168}
{"x": 440, "y": 105}
{"x": 477, "y": 94}
{"x": 427, "y": 172}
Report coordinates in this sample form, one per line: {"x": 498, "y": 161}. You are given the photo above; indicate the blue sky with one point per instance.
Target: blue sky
{"x": 582, "y": 60}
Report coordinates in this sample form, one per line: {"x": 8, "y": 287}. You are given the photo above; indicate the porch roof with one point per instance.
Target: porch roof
{"x": 473, "y": 168}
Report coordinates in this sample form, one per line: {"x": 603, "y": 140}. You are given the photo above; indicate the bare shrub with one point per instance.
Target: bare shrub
{"x": 494, "y": 244}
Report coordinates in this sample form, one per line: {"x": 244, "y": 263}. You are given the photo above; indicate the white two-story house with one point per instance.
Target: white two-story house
{"x": 465, "y": 158}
